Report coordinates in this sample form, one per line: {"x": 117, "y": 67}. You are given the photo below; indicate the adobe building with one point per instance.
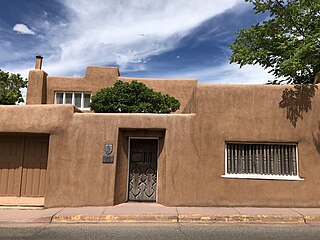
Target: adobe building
{"x": 228, "y": 145}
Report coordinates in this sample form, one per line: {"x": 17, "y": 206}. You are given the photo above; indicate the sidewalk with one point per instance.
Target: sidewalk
{"x": 152, "y": 212}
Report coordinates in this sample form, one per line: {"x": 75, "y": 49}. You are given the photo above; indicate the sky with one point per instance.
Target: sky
{"x": 144, "y": 38}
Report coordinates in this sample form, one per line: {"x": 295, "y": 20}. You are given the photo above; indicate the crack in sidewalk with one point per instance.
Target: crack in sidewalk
{"x": 51, "y": 219}
{"x": 303, "y": 217}
{"x": 180, "y": 225}
{"x": 237, "y": 210}
{"x": 178, "y": 215}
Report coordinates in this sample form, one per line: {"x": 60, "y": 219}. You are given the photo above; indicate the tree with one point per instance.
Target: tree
{"x": 134, "y": 97}
{"x": 10, "y": 85}
{"x": 288, "y": 43}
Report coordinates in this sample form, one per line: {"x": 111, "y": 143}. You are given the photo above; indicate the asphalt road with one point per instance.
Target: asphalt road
{"x": 160, "y": 231}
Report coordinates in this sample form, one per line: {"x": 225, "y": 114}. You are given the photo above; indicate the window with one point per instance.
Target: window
{"x": 261, "y": 161}
{"x": 79, "y": 99}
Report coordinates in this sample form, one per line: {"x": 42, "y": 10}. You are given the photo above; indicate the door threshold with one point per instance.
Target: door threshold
{"x": 22, "y": 201}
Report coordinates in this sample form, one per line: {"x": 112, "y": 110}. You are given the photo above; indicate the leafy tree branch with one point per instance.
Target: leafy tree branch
{"x": 10, "y": 85}
{"x": 287, "y": 43}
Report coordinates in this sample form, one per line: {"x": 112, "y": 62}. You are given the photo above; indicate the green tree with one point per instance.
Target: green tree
{"x": 10, "y": 85}
{"x": 133, "y": 97}
{"x": 288, "y": 43}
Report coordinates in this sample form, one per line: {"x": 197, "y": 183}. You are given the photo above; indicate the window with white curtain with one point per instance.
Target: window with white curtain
{"x": 79, "y": 99}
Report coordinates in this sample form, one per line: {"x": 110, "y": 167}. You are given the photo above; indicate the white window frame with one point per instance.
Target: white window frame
{"x": 260, "y": 176}
{"x": 73, "y": 99}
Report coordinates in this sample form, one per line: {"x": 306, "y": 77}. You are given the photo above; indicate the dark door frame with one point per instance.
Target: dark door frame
{"x": 129, "y": 159}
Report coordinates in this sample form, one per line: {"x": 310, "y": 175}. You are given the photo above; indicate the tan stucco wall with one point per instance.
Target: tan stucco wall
{"x": 37, "y": 87}
{"x": 191, "y": 162}
{"x": 35, "y": 118}
{"x": 96, "y": 78}
{"x": 76, "y": 154}
{"x": 250, "y": 113}
{"x": 101, "y": 77}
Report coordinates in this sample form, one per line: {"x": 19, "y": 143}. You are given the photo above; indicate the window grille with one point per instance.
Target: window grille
{"x": 261, "y": 159}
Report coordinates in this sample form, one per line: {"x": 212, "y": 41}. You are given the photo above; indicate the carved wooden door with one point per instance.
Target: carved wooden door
{"x": 143, "y": 170}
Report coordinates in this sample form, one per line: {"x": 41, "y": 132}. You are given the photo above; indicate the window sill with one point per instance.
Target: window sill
{"x": 263, "y": 177}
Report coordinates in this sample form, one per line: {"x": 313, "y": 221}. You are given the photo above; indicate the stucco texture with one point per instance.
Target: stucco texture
{"x": 191, "y": 161}
{"x": 97, "y": 78}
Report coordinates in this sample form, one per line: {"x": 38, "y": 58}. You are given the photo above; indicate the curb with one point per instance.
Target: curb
{"x": 312, "y": 219}
{"x": 241, "y": 219}
{"x": 188, "y": 218}
{"x": 114, "y": 218}
{"x": 44, "y": 220}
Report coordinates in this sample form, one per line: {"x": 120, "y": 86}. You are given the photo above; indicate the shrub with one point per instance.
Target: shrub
{"x": 133, "y": 97}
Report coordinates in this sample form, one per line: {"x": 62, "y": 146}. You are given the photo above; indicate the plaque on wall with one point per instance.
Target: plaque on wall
{"x": 107, "y": 159}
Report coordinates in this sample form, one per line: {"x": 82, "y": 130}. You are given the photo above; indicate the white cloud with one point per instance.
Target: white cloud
{"x": 99, "y": 32}
{"x": 23, "y": 29}
{"x": 227, "y": 74}
{"x": 233, "y": 74}
{"x": 105, "y": 32}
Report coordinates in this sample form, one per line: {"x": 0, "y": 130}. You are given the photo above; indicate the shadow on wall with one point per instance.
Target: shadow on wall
{"x": 316, "y": 139}
{"x": 297, "y": 100}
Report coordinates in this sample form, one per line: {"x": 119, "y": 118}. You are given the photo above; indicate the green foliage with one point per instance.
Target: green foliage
{"x": 134, "y": 97}
{"x": 288, "y": 43}
{"x": 10, "y": 85}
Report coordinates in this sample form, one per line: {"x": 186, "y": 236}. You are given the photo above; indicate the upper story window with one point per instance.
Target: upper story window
{"x": 79, "y": 99}
{"x": 262, "y": 161}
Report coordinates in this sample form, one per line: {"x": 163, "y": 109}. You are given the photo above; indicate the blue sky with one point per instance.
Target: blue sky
{"x": 144, "y": 38}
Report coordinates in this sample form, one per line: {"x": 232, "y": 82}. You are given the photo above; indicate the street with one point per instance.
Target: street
{"x": 166, "y": 231}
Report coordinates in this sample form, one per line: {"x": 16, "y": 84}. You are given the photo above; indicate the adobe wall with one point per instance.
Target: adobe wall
{"x": 77, "y": 176}
{"x": 248, "y": 113}
{"x": 96, "y": 78}
{"x": 191, "y": 163}
{"x": 37, "y": 87}
{"x": 41, "y": 87}
{"x": 35, "y": 118}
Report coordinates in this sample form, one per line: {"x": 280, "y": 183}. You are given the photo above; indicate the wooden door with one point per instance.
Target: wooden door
{"x": 34, "y": 166}
{"x": 143, "y": 170}
{"x": 11, "y": 157}
{"x": 23, "y": 165}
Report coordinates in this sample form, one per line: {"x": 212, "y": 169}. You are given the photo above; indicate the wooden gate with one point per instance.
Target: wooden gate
{"x": 11, "y": 156}
{"x": 23, "y": 165}
{"x": 143, "y": 170}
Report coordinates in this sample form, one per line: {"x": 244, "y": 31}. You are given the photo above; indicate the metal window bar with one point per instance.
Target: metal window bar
{"x": 250, "y": 159}
{"x": 259, "y": 159}
{"x": 228, "y": 152}
{"x": 294, "y": 161}
{"x": 271, "y": 160}
{"x": 243, "y": 159}
{"x": 235, "y": 158}
{"x": 264, "y": 159}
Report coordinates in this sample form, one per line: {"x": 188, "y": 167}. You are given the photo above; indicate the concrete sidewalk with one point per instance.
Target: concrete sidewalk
{"x": 152, "y": 212}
